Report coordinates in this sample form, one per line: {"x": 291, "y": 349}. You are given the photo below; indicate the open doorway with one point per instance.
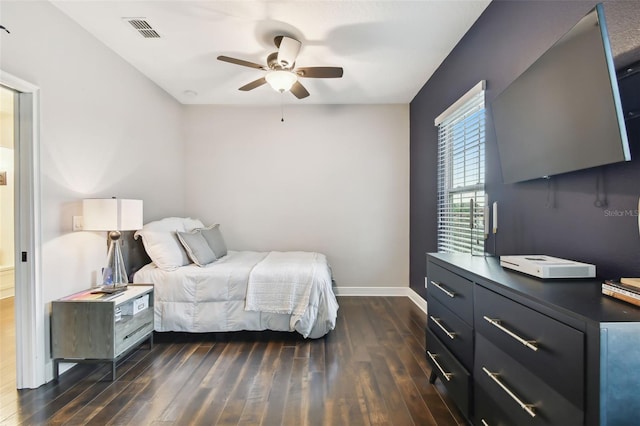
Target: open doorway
{"x": 7, "y": 244}
{"x": 30, "y": 326}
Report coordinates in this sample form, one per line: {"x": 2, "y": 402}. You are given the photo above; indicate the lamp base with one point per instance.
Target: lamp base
{"x": 114, "y": 274}
{"x": 109, "y": 289}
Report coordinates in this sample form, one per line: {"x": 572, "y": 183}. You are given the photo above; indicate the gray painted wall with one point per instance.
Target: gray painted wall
{"x": 270, "y": 187}
{"x": 555, "y": 217}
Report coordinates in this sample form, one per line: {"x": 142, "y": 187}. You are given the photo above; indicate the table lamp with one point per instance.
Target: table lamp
{"x": 113, "y": 215}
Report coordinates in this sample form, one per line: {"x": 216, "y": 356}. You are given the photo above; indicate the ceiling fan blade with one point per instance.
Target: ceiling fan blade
{"x": 299, "y": 91}
{"x": 256, "y": 83}
{"x": 241, "y": 62}
{"x": 288, "y": 50}
{"x": 319, "y": 72}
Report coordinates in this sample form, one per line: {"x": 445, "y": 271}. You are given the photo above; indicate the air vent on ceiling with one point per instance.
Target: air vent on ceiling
{"x": 143, "y": 27}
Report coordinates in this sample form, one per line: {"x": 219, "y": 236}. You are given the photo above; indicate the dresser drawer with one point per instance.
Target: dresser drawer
{"x": 452, "y": 374}
{"x": 486, "y": 411}
{"x": 550, "y": 349}
{"x": 450, "y": 289}
{"x": 515, "y": 390}
{"x": 456, "y": 334}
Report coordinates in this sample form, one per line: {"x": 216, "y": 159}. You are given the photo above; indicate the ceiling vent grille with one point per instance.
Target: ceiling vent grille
{"x": 143, "y": 27}
{"x": 149, "y": 33}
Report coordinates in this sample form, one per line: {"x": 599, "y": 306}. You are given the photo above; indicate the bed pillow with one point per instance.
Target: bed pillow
{"x": 191, "y": 224}
{"x": 214, "y": 238}
{"x": 161, "y": 242}
{"x": 196, "y": 247}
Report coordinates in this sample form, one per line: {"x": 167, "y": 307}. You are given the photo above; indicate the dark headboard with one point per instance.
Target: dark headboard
{"x": 133, "y": 253}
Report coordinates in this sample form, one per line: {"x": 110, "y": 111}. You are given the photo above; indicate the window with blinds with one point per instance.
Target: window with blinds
{"x": 461, "y": 167}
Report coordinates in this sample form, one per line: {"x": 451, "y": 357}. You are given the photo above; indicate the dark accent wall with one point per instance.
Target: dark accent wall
{"x": 557, "y": 217}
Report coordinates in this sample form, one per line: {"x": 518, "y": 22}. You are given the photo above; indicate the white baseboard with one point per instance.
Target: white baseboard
{"x": 417, "y": 300}
{"x": 383, "y": 291}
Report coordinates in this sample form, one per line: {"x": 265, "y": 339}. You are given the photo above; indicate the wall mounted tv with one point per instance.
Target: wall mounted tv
{"x": 563, "y": 113}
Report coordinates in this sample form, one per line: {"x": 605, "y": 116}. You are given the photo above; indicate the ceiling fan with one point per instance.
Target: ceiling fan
{"x": 281, "y": 74}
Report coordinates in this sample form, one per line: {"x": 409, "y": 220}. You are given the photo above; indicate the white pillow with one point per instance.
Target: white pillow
{"x": 191, "y": 224}
{"x": 161, "y": 242}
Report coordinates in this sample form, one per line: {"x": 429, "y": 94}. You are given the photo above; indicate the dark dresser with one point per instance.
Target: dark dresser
{"x": 517, "y": 350}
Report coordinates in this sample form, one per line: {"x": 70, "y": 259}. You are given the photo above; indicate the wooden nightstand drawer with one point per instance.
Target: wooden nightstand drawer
{"x": 550, "y": 349}
{"x": 130, "y": 329}
{"x": 456, "y": 334}
{"x": 453, "y": 375}
{"x": 519, "y": 393}
{"x": 450, "y": 289}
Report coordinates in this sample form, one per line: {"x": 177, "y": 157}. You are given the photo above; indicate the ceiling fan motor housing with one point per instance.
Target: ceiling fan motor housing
{"x": 272, "y": 62}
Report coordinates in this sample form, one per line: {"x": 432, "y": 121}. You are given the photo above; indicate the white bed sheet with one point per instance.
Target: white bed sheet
{"x": 212, "y": 299}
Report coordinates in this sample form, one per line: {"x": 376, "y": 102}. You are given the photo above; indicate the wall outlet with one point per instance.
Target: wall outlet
{"x": 77, "y": 223}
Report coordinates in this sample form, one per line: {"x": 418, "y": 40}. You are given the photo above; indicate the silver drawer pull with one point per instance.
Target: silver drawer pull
{"x": 526, "y": 407}
{"x": 135, "y": 331}
{"x": 450, "y": 334}
{"x": 444, "y": 373}
{"x": 444, "y": 290}
{"x": 484, "y": 423}
{"x": 531, "y": 344}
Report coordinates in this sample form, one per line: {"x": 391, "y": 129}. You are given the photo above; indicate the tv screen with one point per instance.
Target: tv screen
{"x": 563, "y": 113}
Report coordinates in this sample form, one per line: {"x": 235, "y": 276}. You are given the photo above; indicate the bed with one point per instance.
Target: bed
{"x": 202, "y": 287}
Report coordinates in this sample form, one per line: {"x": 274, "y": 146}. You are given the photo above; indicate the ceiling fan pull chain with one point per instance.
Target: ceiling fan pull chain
{"x": 282, "y": 107}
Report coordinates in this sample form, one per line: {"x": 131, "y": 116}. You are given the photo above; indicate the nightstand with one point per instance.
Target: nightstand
{"x": 94, "y": 328}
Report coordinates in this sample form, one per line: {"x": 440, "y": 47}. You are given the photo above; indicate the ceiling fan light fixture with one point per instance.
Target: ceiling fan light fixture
{"x": 280, "y": 80}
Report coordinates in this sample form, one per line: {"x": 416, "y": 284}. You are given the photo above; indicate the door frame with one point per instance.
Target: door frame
{"x": 31, "y": 355}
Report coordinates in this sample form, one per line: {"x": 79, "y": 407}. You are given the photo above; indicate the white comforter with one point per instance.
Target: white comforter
{"x": 212, "y": 298}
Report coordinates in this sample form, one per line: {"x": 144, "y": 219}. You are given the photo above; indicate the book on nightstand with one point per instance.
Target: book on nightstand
{"x": 622, "y": 291}
{"x": 634, "y": 282}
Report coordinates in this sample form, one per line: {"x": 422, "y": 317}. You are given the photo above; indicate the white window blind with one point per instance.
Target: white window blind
{"x": 461, "y": 170}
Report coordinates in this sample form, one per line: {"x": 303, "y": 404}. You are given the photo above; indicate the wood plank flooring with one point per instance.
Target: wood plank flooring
{"x": 370, "y": 370}
{"x": 8, "y": 394}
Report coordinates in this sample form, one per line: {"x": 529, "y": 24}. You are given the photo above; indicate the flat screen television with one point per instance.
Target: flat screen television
{"x": 564, "y": 112}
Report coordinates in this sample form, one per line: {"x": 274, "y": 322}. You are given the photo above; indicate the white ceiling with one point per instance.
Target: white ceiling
{"x": 388, "y": 49}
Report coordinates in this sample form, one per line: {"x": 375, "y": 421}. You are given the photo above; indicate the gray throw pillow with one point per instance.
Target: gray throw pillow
{"x": 196, "y": 247}
{"x": 214, "y": 238}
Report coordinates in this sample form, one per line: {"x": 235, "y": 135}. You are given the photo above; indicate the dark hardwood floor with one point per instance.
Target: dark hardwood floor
{"x": 370, "y": 370}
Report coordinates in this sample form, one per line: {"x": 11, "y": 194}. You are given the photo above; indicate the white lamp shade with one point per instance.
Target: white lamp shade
{"x": 112, "y": 214}
{"x": 280, "y": 80}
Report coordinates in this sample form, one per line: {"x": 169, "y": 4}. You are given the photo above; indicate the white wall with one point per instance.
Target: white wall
{"x": 106, "y": 130}
{"x": 333, "y": 179}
